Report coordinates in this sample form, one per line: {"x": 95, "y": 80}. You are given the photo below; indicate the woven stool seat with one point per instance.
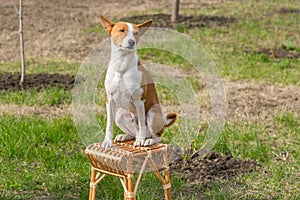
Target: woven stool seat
{"x": 124, "y": 160}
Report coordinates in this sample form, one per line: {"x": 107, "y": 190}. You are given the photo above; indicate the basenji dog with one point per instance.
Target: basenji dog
{"x": 131, "y": 100}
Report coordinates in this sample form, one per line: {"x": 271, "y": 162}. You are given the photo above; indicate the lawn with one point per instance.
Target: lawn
{"x": 257, "y": 54}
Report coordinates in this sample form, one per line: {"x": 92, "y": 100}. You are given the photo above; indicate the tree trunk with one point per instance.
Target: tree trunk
{"x": 175, "y": 11}
{"x": 22, "y": 42}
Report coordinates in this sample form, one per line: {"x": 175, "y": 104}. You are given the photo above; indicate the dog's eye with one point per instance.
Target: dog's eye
{"x": 136, "y": 33}
{"x": 122, "y": 30}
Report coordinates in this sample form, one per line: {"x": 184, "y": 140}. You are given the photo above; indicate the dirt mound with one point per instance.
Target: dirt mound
{"x": 9, "y": 81}
{"x": 282, "y": 52}
{"x": 164, "y": 20}
{"x": 212, "y": 167}
{"x": 288, "y": 11}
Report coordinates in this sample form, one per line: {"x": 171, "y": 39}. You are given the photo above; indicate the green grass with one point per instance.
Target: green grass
{"x": 258, "y": 26}
{"x": 36, "y": 66}
{"x": 277, "y": 151}
{"x": 46, "y": 96}
{"x": 40, "y": 157}
{"x": 47, "y": 159}
{"x": 95, "y": 29}
{"x": 164, "y": 57}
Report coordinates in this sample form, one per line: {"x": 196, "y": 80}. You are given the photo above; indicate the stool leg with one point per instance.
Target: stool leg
{"x": 167, "y": 190}
{"x": 126, "y": 185}
{"x": 93, "y": 185}
{"x": 130, "y": 188}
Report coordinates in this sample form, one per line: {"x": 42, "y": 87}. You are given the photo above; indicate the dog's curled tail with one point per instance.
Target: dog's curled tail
{"x": 169, "y": 118}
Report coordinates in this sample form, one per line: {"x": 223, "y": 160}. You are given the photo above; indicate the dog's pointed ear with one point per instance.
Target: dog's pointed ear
{"x": 107, "y": 24}
{"x": 144, "y": 26}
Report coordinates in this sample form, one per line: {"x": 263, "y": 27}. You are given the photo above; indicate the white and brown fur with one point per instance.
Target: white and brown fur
{"x": 129, "y": 87}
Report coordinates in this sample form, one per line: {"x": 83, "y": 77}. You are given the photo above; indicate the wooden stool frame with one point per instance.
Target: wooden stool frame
{"x": 111, "y": 162}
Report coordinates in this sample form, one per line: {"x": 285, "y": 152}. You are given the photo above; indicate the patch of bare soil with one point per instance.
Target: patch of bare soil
{"x": 164, "y": 20}
{"x": 212, "y": 167}
{"x": 59, "y": 28}
{"x": 251, "y": 101}
{"x": 281, "y": 52}
{"x": 42, "y": 111}
{"x": 9, "y": 81}
{"x": 248, "y": 101}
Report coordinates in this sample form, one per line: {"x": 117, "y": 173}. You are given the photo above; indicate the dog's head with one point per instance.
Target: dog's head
{"x": 125, "y": 35}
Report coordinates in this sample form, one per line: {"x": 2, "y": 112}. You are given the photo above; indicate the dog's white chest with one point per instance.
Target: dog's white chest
{"x": 122, "y": 84}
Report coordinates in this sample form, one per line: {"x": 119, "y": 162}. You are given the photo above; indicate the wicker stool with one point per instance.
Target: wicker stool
{"x": 123, "y": 161}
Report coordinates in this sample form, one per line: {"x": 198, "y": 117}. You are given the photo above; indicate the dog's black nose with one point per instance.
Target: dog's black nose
{"x": 131, "y": 42}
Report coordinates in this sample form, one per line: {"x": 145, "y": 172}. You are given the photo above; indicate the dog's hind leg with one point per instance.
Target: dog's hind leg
{"x": 127, "y": 123}
{"x": 155, "y": 124}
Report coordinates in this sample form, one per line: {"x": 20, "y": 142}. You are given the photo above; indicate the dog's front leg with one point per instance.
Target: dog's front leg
{"x": 141, "y": 135}
{"x": 110, "y": 109}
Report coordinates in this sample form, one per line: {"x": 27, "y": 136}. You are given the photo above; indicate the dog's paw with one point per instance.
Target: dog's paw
{"x": 106, "y": 144}
{"x": 149, "y": 142}
{"x": 139, "y": 142}
{"x": 123, "y": 137}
